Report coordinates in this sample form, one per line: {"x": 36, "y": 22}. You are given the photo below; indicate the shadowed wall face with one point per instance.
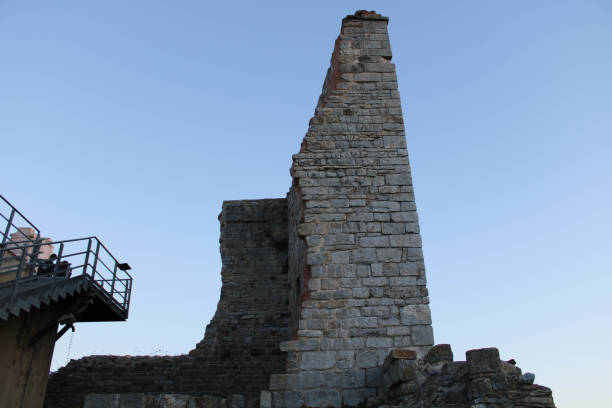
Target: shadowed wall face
{"x": 241, "y": 346}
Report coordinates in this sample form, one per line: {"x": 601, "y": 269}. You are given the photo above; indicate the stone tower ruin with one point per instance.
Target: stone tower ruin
{"x": 324, "y": 300}
{"x": 356, "y": 272}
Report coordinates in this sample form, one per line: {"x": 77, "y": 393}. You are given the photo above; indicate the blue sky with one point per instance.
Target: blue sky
{"x": 134, "y": 120}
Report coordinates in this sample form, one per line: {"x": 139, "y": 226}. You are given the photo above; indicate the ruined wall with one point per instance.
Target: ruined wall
{"x": 240, "y": 348}
{"x": 437, "y": 381}
{"x": 362, "y": 282}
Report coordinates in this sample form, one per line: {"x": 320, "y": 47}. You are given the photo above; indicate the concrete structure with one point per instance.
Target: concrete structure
{"x": 324, "y": 299}
{"x": 25, "y": 364}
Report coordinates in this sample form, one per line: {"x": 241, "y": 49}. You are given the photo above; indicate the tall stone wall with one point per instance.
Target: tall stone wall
{"x": 356, "y": 264}
{"x": 241, "y": 346}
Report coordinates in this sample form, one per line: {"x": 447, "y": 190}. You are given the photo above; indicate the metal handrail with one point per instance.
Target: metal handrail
{"x": 114, "y": 283}
{"x": 15, "y": 210}
{"x": 22, "y": 257}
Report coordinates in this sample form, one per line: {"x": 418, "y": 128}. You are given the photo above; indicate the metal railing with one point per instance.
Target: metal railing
{"x": 10, "y": 217}
{"x": 29, "y": 259}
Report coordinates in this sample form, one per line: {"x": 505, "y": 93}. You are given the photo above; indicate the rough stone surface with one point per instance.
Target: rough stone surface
{"x": 355, "y": 261}
{"x": 439, "y": 382}
{"x": 139, "y": 400}
{"x": 240, "y": 349}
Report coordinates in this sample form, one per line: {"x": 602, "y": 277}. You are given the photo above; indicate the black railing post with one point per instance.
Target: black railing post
{"x": 95, "y": 264}
{"x": 8, "y": 227}
{"x": 34, "y": 255}
{"x": 87, "y": 258}
{"x": 5, "y": 236}
{"x": 17, "y": 277}
{"x": 60, "y": 252}
{"x": 114, "y": 278}
{"x": 128, "y": 296}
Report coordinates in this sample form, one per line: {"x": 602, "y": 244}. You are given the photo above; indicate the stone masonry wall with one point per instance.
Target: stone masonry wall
{"x": 240, "y": 349}
{"x": 358, "y": 271}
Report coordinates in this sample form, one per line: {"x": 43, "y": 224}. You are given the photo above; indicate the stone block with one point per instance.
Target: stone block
{"x": 389, "y": 255}
{"x": 405, "y": 240}
{"x": 105, "y": 401}
{"x": 323, "y": 398}
{"x": 374, "y": 242}
{"x": 361, "y": 293}
{"x": 393, "y": 228}
{"x": 345, "y": 379}
{"x": 364, "y": 255}
{"x": 353, "y": 398}
{"x": 265, "y": 399}
{"x": 379, "y": 342}
{"x": 287, "y": 399}
{"x": 308, "y": 380}
{"x": 483, "y": 361}
{"x": 399, "y": 371}
{"x": 366, "y": 358}
{"x": 346, "y": 359}
{"x": 318, "y": 360}
{"x": 415, "y": 314}
{"x": 367, "y": 77}
{"x": 282, "y": 381}
{"x": 422, "y": 335}
{"x": 236, "y": 401}
{"x": 440, "y": 353}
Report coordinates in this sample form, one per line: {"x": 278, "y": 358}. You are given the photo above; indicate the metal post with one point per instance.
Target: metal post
{"x": 128, "y": 296}
{"x": 114, "y": 277}
{"x": 95, "y": 264}
{"x": 5, "y": 236}
{"x": 87, "y": 258}
{"x": 8, "y": 227}
{"x": 59, "y": 259}
{"x": 34, "y": 255}
{"x": 17, "y": 277}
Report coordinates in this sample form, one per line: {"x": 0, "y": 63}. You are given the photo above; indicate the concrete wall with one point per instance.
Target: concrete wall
{"x": 356, "y": 263}
{"x": 240, "y": 348}
{"x": 25, "y": 366}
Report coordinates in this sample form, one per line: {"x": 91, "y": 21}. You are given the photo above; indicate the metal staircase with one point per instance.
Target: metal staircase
{"x": 36, "y": 271}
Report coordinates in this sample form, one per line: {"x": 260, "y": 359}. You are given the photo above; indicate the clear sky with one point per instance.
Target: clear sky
{"x": 133, "y": 121}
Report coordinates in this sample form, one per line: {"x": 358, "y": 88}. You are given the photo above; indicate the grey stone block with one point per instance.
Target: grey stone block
{"x": 103, "y": 401}
{"x": 323, "y": 398}
{"x": 389, "y": 254}
{"x": 308, "y": 379}
{"x": 345, "y": 379}
{"x": 353, "y": 398}
{"x": 265, "y": 399}
{"x": 440, "y": 353}
{"x": 422, "y": 335}
{"x": 318, "y": 360}
{"x": 485, "y": 360}
{"x": 366, "y": 358}
{"x": 364, "y": 255}
{"x": 415, "y": 314}
{"x": 236, "y": 401}
{"x": 399, "y": 371}
{"x": 288, "y": 399}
